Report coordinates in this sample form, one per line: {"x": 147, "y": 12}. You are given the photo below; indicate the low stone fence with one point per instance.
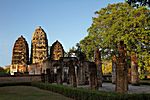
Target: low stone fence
{"x": 26, "y": 78}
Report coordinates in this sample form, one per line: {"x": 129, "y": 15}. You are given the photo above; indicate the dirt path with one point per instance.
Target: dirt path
{"x": 132, "y": 89}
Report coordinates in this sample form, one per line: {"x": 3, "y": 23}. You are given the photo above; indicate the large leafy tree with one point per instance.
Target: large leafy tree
{"x": 137, "y": 3}
{"x": 119, "y": 22}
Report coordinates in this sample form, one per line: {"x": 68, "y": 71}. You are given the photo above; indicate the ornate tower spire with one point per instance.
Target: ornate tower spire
{"x": 56, "y": 51}
{"x": 39, "y": 46}
{"x": 20, "y": 52}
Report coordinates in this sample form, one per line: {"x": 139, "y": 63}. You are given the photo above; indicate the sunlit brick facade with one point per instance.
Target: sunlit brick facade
{"x": 20, "y": 56}
{"x": 39, "y": 46}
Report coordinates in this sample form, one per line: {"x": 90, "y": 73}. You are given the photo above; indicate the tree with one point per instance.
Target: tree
{"x": 4, "y": 72}
{"x": 137, "y": 3}
{"x": 1, "y": 69}
{"x": 119, "y": 22}
{"x": 77, "y": 51}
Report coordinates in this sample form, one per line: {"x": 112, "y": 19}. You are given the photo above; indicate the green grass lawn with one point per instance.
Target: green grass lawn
{"x": 28, "y": 93}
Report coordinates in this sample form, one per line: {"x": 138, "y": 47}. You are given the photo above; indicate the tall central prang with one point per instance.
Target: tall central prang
{"x": 39, "y": 46}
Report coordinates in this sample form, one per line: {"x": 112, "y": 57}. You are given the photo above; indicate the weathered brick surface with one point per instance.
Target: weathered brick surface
{"x": 39, "y": 46}
{"x": 121, "y": 70}
{"x": 134, "y": 70}
{"x": 12, "y": 79}
{"x": 98, "y": 62}
{"x": 114, "y": 64}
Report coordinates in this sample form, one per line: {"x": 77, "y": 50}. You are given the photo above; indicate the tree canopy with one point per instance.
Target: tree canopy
{"x": 76, "y": 51}
{"x": 137, "y": 3}
{"x": 119, "y": 22}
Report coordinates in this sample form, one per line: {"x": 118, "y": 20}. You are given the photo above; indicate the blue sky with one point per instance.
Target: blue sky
{"x": 63, "y": 20}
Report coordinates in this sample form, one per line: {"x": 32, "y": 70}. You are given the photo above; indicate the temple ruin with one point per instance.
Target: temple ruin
{"x": 74, "y": 71}
{"x": 59, "y": 69}
{"x": 114, "y": 64}
{"x": 98, "y": 62}
{"x": 20, "y": 56}
{"x": 121, "y": 69}
{"x": 56, "y": 51}
{"x": 134, "y": 69}
{"x": 39, "y": 46}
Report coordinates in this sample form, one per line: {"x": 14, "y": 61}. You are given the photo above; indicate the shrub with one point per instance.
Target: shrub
{"x": 81, "y": 93}
{"x": 85, "y": 94}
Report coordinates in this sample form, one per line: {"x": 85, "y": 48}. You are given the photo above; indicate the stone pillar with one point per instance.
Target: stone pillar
{"x": 129, "y": 68}
{"x": 52, "y": 75}
{"x": 59, "y": 76}
{"x": 72, "y": 76}
{"x": 81, "y": 73}
{"x": 76, "y": 75}
{"x": 93, "y": 75}
{"x": 114, "y": 64}
{"x": 121, "y": 70}
{"x": 43, "y": 77}
{"x": 126, "y": 69}
{"x": 98, "y": 62}
{"x": 134, "y": 70}
{"x": 48, "y": 75}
